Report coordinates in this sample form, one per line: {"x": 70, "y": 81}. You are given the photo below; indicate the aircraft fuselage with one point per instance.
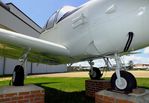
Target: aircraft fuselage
{"x": 102, "y": 27}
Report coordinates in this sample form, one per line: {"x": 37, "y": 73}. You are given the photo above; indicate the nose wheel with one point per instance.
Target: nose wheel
{"x": 127, "y": 82}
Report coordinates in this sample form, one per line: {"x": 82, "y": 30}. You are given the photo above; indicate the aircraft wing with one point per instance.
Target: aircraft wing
{"x": 14, "y": 45}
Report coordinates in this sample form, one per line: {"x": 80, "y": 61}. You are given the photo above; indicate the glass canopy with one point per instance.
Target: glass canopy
{"x": 59, "y": 16}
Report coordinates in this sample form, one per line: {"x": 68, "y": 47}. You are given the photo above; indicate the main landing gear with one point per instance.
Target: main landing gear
{"x": 18, "y": 73}
{"x": 121, "y": 80}
{"x": 94, "y": 73}
{"x": 18, "y": 76}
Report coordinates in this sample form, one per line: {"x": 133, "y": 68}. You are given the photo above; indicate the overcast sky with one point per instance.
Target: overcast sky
{"x": 40, "y": 10}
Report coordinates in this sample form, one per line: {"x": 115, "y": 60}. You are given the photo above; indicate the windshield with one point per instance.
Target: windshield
{"x": 50, "y": 22}
{"x": 58, "y": 16}
{"x": 64, "y": 11}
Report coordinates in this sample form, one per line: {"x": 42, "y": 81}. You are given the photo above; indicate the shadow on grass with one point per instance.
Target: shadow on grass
{"x": 57, "y": 96}
{"x": 2, "y": 76}
{"x": 143, "y": 87}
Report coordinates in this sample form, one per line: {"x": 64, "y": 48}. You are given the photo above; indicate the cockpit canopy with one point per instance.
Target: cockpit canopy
{"x": 58, "y": 16}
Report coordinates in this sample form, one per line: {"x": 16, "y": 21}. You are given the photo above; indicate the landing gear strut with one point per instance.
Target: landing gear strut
{"x": 122, "y": 80}
{"x": 94, "y": 73}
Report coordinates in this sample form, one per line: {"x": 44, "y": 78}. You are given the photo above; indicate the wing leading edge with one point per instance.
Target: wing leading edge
{"x": 46, "y": 49}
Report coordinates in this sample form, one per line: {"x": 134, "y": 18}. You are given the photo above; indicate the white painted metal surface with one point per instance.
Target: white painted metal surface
{"x": 98, "y": 28}
{"x": 105, "y": 27}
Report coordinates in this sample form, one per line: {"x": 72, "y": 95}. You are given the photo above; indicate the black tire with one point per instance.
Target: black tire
{"x": 96, "y": 76}
{"x": 18, "y": 76}
{"x": 130, "y": 79}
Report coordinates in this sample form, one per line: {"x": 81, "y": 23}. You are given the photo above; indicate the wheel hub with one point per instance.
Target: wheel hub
{"x": 93, "y": 74}
{"x": 13, "y": 76}
{"x": 122, "y": 84}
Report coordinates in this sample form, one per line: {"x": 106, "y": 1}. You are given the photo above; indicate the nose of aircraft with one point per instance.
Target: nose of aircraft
{"x": 139, "y": 26}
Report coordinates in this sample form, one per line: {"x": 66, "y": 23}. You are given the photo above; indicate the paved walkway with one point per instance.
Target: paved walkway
{"x": 137, "y": 74}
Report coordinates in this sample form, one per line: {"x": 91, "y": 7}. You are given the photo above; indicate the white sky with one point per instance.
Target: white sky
{"x": 142, "y": 57}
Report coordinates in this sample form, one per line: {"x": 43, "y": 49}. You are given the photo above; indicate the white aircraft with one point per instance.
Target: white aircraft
{"x": 96, "y": 29}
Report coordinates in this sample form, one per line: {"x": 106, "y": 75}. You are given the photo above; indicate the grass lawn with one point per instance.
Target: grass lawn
{"x": 66, "y": 90}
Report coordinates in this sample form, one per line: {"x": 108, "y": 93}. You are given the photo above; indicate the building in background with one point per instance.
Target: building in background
{"x": 141, "y": 66}
{"x": 11, "y": 18}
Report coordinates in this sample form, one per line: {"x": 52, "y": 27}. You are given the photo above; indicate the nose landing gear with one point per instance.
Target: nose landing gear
{"x": 122, "y": 80}
{"x": 127, "y": 82}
